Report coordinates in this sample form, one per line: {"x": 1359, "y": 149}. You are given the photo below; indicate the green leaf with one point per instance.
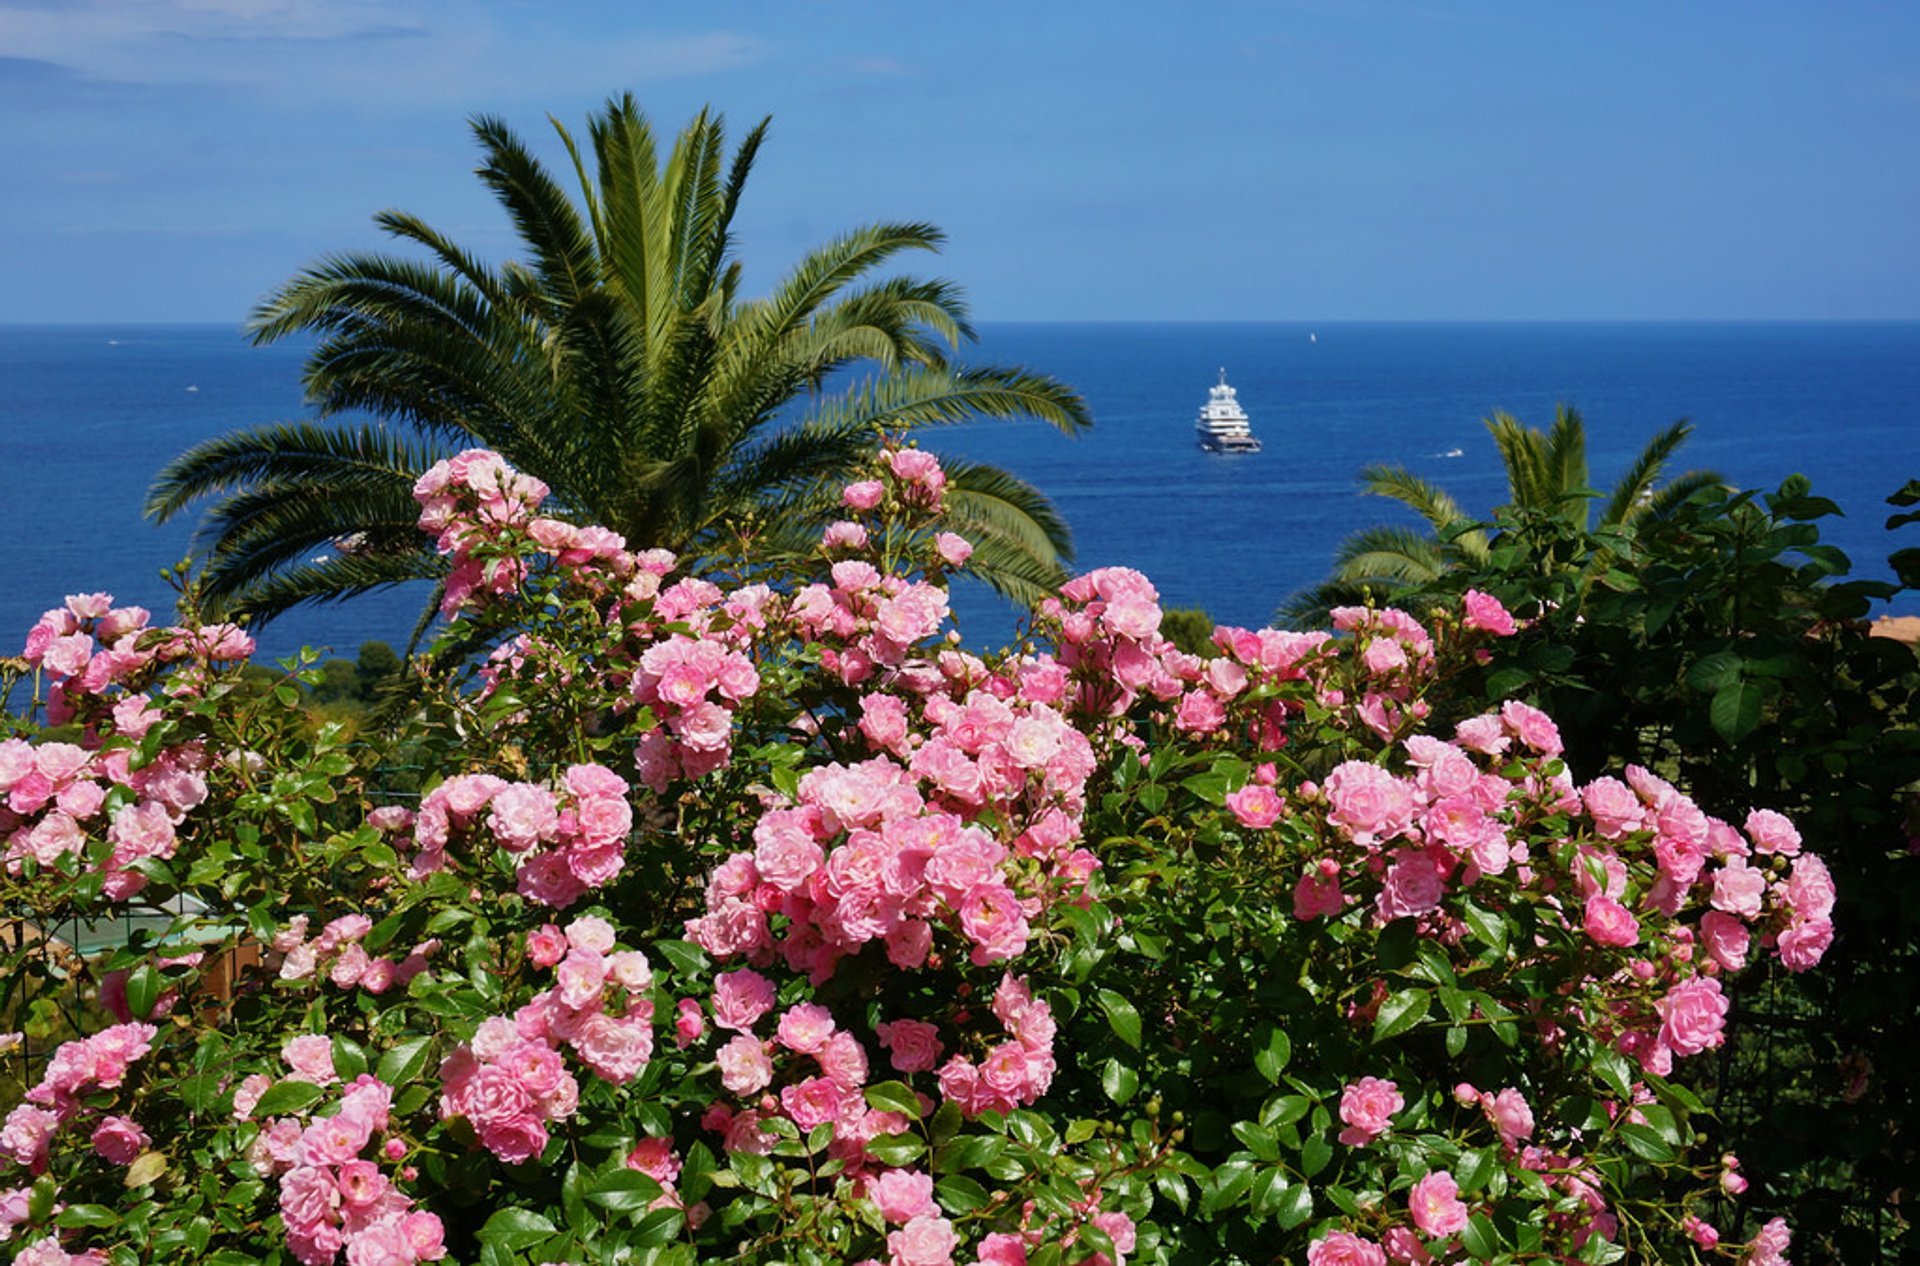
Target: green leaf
{"x": 894, "y": 1096}
{"x": 687, "y": 958}
{"x": 1481, "y": 1239}
{"x": 1226, "y": 1186}
{"x": 86, "y": 1215}
{"x": 1258, "y": 1140}
{"x": 896, "y": 1149}
{"x": 514, "y": 1229}
{"x": 1296, "y": 1206}
{"x": 1400, "y": 1012}
{"x": 1646, "y": 1143}
{"x": 657, "y": 1228}
{"x": 405, "y": 1061}
{"x": 959, "y": 1194}
{"x": 1272, "y": 1055}
{"x": 970, "y": 1151}
{"x": 1475, "y": 1169}
{"x": 623, "y": 1191}
{"x": 1119, "y": 1081}
{"x": 1315, "y": 1153}
{"x": 1124, "y": 1020}
{"x": 349, "y": 1057}
{"x": 143, "y": 990}
{"x": 1490, "y": 929}
{"x": 1269, "y": 1189}
{"x": 1735, "y": 710}
{"x": 1611, "y": 1067}
{"x": 285, "y": 1098}
{"x": 1712, "y": 672}
{"x": 146, "y": 1169}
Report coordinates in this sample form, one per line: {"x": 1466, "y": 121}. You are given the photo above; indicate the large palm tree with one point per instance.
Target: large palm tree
{"x": 617, "y": 362}
{"x": 1546, "y": 475}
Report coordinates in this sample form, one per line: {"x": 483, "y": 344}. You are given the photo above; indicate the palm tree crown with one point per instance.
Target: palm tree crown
{"x": 618, "y": 363}
{"x": 1546, "y": 474}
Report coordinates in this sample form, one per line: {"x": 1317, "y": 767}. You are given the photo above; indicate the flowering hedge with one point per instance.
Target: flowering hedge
{"x": 757, "y": 921}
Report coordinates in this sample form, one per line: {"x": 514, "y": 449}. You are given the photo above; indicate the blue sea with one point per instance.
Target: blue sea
{"x": 88, "y": 414}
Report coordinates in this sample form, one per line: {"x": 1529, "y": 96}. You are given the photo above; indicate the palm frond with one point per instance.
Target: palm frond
{"x": 339, "y": 457}
{"x": 1633, "y": 488}
{"x": 1681, "y": 488}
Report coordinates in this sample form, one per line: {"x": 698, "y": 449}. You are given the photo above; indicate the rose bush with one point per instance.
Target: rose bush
{"x": 746, "y": 917}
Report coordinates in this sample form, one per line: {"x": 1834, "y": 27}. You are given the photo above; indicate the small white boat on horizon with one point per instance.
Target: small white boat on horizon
{"x": 1223, "y": 426}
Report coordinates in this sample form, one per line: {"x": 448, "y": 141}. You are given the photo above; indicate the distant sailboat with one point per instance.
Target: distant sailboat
{"x": 1313, "y": 338}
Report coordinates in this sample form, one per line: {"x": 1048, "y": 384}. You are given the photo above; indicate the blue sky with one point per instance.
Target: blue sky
{"x": 171, "y": 160}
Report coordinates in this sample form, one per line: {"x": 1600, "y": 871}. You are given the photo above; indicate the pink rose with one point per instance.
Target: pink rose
{"x": 1343, "y": 1248}
{"x": 744, "y": 1066}
{"x": 805, "y": 1028}
{"x": 1610, "y": 923}
{"x": 1531, "y": 726}
{"x": 925, "y": 1241}
{"x": 1769, "y": 1247}
{"x": 1772, "y": 833}
{"x": 1255, "y": 806}
{"x": 863, "y": 495}
{"x": 1692, "y": 1016}
{"x": 815, "y": 1101}
{"x": 1739, "y": 888}
{"x": 1435, "y": 1205}
{"x": 1803, "y": 945}
{"x": 913, "y": 1045}
{"x": 903, "y": 1195}
{"x": 1726, "y": 939}
{"x": 310, "y": 1056}
{"x": 1367, "y": 1106}
{"x": 1510, "y": 1115}
{"x": 119, "y": 1140}
{"x": 1810, "y": 889}
{"x": 1412, "y": 886}
{"x": 1484, "y": 612}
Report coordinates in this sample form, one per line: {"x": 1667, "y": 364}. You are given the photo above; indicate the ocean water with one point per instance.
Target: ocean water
{"x": 89, "y": 414}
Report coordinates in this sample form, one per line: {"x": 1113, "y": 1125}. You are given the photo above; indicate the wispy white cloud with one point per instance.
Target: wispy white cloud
{"x": 290, "y": 49}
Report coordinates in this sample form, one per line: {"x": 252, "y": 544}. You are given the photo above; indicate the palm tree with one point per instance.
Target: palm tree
{"x": 618, "y": 363}
{"x": 1546, "y": 475}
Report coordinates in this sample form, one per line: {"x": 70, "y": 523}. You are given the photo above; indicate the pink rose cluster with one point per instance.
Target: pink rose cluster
{"x": 568, "y": 839}
{"x": 1106, "y": 624}
{"x": 89, "y": 647}
{"x": 77, "y": 1070}
{"x": 479, "y": 510}
{"x": 511, "y": 1080}
{"x": 916, "y": 477}
{"x": 47, "y": 1251}
{"x": 56, "y": 803}
{"x": 693, "y": 686}
{"x": 880, "y": 852}
{"x": 332, "y": 1197}
{"x": 1395, "y": 655}
{"x": 338, "y": 955}
{"x": 823, "y": 1066}
{"x": 1014, "y": 1072}
{"x": 866, "y": 621}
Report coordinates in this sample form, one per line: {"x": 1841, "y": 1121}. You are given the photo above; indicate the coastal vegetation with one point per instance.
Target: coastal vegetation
{"x": 1546, "y": 473}
{"x": 618, "y": 362}
{"x": 703, "y": 895}
{"x": 1716, "y": 640}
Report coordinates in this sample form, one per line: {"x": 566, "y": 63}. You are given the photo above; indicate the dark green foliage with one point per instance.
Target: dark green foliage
{"x": 1546, "y": 481}
{"x": 1723, "y": 646}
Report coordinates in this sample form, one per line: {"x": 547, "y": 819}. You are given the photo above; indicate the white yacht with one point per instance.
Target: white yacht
{"x": 1223, "y": 425}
